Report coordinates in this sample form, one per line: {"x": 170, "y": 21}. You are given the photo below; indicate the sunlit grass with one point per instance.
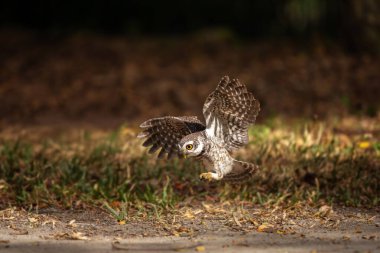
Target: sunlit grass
{"x": 300, "y": 162}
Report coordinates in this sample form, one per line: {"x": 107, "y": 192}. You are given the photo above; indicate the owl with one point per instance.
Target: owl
{"x": 228, "y": 112}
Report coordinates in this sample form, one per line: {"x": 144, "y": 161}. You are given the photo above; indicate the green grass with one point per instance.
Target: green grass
{"x": 300, "y": 162}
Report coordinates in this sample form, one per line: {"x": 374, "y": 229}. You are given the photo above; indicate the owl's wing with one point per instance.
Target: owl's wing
{"x": 166, "y": 133}
{"x": 228, "y": 111}
{"x": 240, "y": 172}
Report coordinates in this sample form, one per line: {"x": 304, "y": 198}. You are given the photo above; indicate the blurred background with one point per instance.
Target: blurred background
{"x": 108, "y": 62}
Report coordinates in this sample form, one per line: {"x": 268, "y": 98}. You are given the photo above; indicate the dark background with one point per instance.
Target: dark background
{"x": 354, "y": 23}
{"x": 128, "y": 60}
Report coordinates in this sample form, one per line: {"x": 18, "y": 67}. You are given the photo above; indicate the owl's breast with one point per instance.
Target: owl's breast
{"x": 216, "y": 158}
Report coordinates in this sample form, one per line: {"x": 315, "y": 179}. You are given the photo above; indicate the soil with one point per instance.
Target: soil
{"x": 94, "y": 230}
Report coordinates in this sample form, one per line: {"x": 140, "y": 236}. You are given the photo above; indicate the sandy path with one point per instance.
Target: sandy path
{"x": 96, "y": 231}
{"x": 228, "y": 242}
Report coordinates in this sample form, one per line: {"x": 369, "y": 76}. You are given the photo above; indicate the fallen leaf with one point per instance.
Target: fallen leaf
{"x": 19, "y": 232}
{"x": 324, "y": 211}
{"x": 200, "y": 248}
{"x": 49, "y": 221}
{"x": 72, "y": 224}
{"x": 8, "y": 218}
{"x": 32, "y": 219}
{"x": 266, "y": 228}
{"x": 369, "y": 237}
{"x": 254, "y": 222}
{"x": 152, "y": 247}
{"x": 188, "y": 215}
{"x": 117, "y": 239}
{"x": 236, "y": 220}
{"x": 364, "y": 144}
{"x": 71, "y": 236}
{"x": 372, "y": 218}
{"x": 122, "y": 222}
{"x": 78, "y": 236}
{"x": 212, "y": 210}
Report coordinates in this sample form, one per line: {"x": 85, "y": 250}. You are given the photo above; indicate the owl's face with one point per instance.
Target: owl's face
{"x": 191, "y": 147}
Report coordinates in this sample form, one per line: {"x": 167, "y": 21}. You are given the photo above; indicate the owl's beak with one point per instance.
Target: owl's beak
{"x": 183, "y": 151}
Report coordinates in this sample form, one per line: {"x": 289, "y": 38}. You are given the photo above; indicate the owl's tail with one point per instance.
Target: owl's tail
{"x": 240, "y": 172}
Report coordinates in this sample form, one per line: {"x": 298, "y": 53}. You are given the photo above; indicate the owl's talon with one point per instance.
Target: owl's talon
{"x": 206, "y": 176}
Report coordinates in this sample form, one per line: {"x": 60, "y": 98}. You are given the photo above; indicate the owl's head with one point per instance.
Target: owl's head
{"x": 191, "y": 145}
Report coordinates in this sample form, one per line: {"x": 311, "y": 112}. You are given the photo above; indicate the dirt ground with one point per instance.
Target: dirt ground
{"x": 199, "y": 229}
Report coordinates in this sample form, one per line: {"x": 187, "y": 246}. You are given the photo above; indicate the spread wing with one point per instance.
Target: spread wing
{"x": 228, "y": 111}
{"x": 166, "y": 133}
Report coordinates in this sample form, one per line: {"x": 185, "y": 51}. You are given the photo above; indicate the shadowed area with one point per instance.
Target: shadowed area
{"x": 101, "y": 79}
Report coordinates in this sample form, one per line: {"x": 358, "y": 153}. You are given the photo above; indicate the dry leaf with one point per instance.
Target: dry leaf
{"x": 32, "y": 220}
{"x": 2, "y": 185}
{"x": 236, "y": 220}
{"x": 122, "y": 222}
{"x": 200, "y": 248}
{"x": 117, "y": 239}
{"x": 364, "y": 144}
{"x": 188, "y": 215}
{"x": 49, "y": 221}
{"x": 152, "y": 247}
{"x": 72, "y": 224}
{"x": 267, "y": 228}
{"x": 8, "y": 218}
{"x": 254, "y": 222}
{"x": 78, "y": 236}
{"x": 19, "y": 232}
{"x": 212, "y": 210}
{"x": 369, "y": 237}
{"x": 206, "y": 206}
{"x": 72, "y": 236}
{"x": 324, "y": 211}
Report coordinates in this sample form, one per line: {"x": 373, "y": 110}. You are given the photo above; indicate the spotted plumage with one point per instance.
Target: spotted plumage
{"x": 228, "y": 111}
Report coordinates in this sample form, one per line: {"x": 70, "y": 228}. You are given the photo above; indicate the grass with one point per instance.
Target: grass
{"x": 307, "y": 163}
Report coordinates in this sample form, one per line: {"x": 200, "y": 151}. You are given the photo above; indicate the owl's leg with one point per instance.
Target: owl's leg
{"x": 210, "y": 176}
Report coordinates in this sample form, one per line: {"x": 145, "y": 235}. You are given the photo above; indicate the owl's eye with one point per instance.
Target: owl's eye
{"x": 189, "y": 146}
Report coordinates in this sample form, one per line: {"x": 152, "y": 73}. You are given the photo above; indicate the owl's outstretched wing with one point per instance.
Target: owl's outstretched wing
{"x": 228, "y": 111}
{"x": 166, "y": 133}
